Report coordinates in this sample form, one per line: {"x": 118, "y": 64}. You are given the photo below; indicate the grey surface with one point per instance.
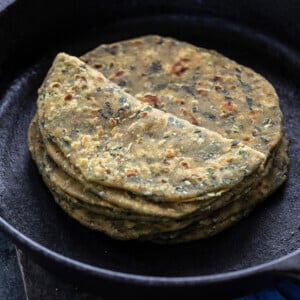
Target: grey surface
{"x": 41, "y": 284}
{"x": 5, "y": 3}
{"x": 11, "y": 287}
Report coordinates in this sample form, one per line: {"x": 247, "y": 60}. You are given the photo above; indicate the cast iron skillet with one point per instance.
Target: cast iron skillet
{"x": 247, "y": 256}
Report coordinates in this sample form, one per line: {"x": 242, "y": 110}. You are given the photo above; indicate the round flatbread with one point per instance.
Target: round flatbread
{"x": 195, "y": 84}
{"x": 171, "y": 143}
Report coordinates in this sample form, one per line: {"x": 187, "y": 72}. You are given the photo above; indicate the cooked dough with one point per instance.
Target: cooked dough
{"x": 195, "y": 84}
{"x": 120, "y": 142}
{"x": 169, "y": 143}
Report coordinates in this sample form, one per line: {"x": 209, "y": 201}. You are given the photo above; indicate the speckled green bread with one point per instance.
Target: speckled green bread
{"x": 142, "y": 152}
{"x": 195, "y": 84}
{"x": 66, "y": 194}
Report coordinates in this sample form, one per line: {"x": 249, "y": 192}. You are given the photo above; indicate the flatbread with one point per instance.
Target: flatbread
{"x": 196, "y": 84}
{"x": 141, "y": 205}
{"x": 114, "y": 199}
{"x": 119, "y": 150}
{"x": 222, "y": 221}
{"x": 129, "y": 165}
{"x": 142, "y": 228}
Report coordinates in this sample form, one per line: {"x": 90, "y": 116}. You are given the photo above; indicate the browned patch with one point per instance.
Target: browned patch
{"x": 95, "y": 112}
{"x": 254, "y": 113}
{"x": 178, "y": 101}
{"x": 218, "y": 78}
{"x": 68, "y": 97}
{"x": 202, "y": 92}
{"x": 166, "y": 169}
{"x": 97, "y": 66}
{"x": 131, "y": 172}
{"x": 178, "y": 68}
{"x": 100, "y": 131}
{"x": 218, "y": 88}
{"x": 137, "y": 42}
{"x": 102, "y": 172}
{"x": 116, "y": 178}
{"x": 190, "y": 116}
{"x": 227, "y": 106}
{"x": 116, "y": 75}
{"x": 112, "y": 122}
{"x": 185, "y": 59}
{"x": 55, "y": 85}
{"x": 114, "y": 48}
{"x": 77, "y": 76}
{"x": 143, "y": 114}
{"x": 119, "y": 73}
{"x": 170, "y": 153}
{"x": 151, "y": 100}
{"x": 75, "y": 87}
{"x": 266, "y": 90}
{"x": 94, "y": 121}
{"x": 184, "y": 165}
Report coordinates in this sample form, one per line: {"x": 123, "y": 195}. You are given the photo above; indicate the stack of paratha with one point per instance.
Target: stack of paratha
{"x": 156, "y": 139}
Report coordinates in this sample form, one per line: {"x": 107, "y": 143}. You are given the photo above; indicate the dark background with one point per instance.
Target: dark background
{"x": 11, "y": 287}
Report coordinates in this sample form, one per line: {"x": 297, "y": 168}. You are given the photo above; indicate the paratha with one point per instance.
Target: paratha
{"x": 195, "y": 84}
{"x": 139, "y": 228}
{"x": 120, "y": 200}
{"x": 119, "y": 149}
{"x": 122, "y": 151}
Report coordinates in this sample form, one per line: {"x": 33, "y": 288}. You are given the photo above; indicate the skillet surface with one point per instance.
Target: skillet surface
{"x": 270, "y": 232}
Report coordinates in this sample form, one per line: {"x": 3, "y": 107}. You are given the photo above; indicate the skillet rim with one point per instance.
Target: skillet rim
{"x": 178, "y": 281}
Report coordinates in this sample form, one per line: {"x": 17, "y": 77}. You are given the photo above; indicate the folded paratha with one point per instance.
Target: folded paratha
{"x": 119, "y": 149}
{"x": 169, "y": 143}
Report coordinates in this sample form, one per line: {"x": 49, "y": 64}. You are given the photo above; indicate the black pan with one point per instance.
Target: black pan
{"x": 249, "y": 255}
